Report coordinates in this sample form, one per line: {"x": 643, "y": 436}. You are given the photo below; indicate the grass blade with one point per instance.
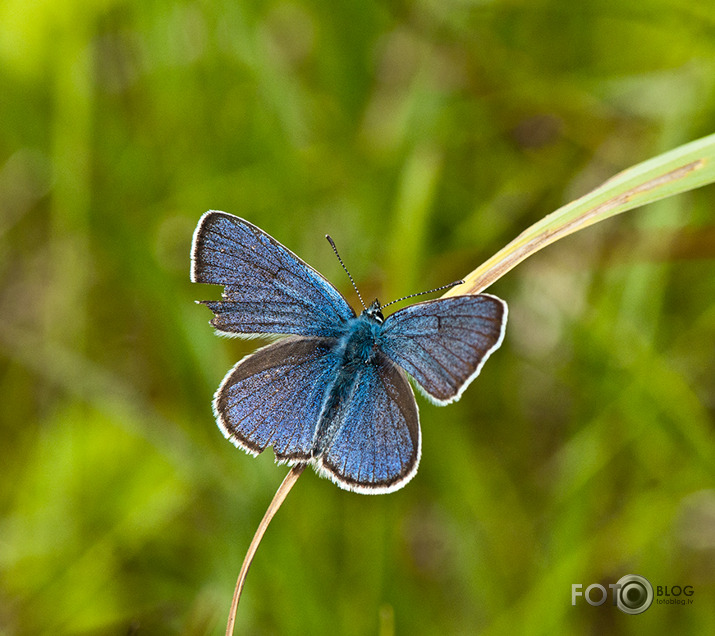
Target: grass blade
{"x": 684, "y": 168}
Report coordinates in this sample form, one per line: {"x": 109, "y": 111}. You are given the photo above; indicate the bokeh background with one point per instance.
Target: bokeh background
{"x": 422, "y": 136}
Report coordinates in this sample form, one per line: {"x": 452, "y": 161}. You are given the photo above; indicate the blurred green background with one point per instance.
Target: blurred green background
{"x": 422, "y": 136}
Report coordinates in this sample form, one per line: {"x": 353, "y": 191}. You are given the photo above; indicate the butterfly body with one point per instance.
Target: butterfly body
{"x": 333, "y": 392}
{"x": 357, "y": 348}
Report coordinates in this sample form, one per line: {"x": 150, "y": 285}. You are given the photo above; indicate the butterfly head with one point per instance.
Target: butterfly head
{"x": 374, "y": 312}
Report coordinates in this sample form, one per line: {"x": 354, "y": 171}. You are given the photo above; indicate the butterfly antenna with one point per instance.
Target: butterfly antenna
{"x": 429, "y": 291}
{"x": 335, "y": 249}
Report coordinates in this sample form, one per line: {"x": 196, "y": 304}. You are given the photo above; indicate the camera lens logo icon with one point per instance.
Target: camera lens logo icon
{"x": 635, "y": 594}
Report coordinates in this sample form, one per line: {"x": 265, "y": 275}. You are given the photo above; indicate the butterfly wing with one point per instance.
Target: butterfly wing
{"x": 274, "y": 397}
{"x": 376, "y": 445}
{"x": 268, "y": 289}
{"x": 444, "y": 343}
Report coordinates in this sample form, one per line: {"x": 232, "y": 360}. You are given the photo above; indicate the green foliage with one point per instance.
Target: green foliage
{"x": 423, "y": 137}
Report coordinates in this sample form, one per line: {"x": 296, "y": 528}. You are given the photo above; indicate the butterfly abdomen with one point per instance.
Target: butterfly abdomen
{"x": 357, "y": 347}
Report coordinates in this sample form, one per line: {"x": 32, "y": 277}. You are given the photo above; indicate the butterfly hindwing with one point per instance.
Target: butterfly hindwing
{"x": 443, "y": 343}
{"x": 268, "y": 289}
{"x": 274, "y": 397}
{"x": 376, "y": 444}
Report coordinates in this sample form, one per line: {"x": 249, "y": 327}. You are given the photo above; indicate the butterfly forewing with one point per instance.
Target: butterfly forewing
{"x": 443, "y": 343}
{"x": 274, "y": 397}
{"x": 268, "y": 289}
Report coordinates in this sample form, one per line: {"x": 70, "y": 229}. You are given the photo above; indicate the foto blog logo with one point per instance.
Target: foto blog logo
{"x": 632, "y": 594}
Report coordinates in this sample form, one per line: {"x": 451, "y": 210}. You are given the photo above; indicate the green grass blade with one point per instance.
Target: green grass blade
{"x": 684, "y": 168}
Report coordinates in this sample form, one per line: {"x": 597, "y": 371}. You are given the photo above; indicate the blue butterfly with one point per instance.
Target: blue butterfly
{"x": 334, "y": 392}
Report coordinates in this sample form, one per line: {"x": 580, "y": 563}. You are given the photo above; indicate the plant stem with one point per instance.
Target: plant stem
{"x": 275, "y": 504}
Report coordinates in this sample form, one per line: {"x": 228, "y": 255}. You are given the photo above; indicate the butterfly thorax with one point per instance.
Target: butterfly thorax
{"x": 360, "y": 341}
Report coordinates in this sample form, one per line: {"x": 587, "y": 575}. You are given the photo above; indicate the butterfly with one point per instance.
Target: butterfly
{"x": 333, "y": 392}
